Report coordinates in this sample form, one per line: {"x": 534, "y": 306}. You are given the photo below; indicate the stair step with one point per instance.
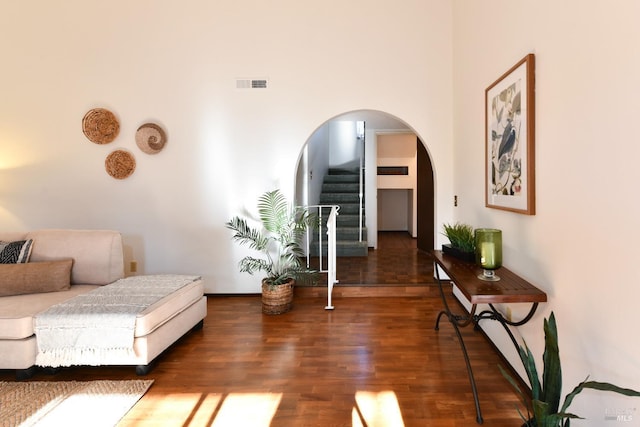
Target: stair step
{"x": 346, "y": 220}
{"x": 348, "y": 209}
{"x": 345, "y": 233}
{"x": 342, "y": 179}
{"x": 350, "y": 233}
{"x": 344, "y": 171}
{"x": 341, "y": 187}
{"x": 339, "y": 198}
{"x": 343, "y": 248}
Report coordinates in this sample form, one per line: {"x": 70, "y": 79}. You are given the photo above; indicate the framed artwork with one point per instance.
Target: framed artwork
{"x": 510, "y": 139}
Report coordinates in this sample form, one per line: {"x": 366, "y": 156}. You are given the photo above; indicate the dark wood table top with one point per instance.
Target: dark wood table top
{"x": 511, "y": 288}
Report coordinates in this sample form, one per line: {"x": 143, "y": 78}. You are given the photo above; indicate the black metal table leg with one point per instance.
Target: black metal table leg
{"x": 457, "y": 322}
{"x": 472, "y": 380}
{"x": 494, "y": 314}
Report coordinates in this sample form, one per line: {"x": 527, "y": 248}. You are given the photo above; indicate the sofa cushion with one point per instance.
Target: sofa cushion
{"x": 17, "y": 311}
{"x": 16, "y": 252}
{"x": 97, "y": 254}
{"x": 35, "y": 277}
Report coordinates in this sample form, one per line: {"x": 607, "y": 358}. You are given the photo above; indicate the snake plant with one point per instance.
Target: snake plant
{"x": 543, "y": 407}
{"x": 279, "y": 239}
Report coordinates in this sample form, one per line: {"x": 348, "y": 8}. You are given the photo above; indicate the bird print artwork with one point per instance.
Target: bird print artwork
{"x": 505, "y": 137}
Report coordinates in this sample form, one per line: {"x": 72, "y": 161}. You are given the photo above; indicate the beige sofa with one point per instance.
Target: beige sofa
{"x": 97, "y": 259}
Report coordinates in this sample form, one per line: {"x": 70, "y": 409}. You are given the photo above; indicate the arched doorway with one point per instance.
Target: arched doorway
{"x": 340, "y": 140}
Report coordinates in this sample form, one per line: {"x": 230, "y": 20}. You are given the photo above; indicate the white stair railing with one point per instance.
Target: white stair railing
{"x": 331, "y": 247}
{"x": 331, "y": 254}
{"x": 361, "y": 189}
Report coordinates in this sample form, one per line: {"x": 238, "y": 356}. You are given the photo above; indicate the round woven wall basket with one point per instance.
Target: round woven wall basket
{"x": 120, "y": 164}
{"x": 150, "y": 138}
{"x": 277, "y": 299}
{"x": 100, "y": 126}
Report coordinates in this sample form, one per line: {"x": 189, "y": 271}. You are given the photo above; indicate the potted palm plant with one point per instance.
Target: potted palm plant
{"x": 543, "y": 405}
{"x": 278, "y": 240}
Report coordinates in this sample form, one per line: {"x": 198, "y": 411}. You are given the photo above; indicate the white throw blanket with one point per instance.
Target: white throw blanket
{"x": 98, "y": 327}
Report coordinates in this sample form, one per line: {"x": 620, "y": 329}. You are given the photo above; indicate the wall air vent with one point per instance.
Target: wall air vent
{"x": 393, "y": 170}
{"x": 251, "y": 83}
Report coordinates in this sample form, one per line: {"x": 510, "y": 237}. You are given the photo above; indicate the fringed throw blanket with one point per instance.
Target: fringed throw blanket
{"x": 98, "y": 327}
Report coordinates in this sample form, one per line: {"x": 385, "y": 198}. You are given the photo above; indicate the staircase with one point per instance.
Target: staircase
{"x": 341, "y": 187}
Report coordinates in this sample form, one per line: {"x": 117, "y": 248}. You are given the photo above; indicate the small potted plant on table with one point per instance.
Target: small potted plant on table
{"x": 462, "y": 240}
{"x": 279, "y": 241}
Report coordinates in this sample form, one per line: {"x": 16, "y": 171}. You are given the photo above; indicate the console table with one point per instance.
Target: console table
{"x": 509, "y": 289}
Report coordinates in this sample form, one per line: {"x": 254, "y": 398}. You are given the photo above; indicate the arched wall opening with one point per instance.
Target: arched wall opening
{"x": 397, "y": 178}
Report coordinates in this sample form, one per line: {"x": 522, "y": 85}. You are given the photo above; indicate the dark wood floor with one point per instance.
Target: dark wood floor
{"x": 370, "y": 362}
{"x": 396, "y": 261}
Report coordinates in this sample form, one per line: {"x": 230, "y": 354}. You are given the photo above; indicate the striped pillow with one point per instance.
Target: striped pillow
{"x": 17, "y": 252}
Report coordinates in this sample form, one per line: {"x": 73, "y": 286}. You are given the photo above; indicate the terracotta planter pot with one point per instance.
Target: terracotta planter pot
{"x": 277, "y": 299}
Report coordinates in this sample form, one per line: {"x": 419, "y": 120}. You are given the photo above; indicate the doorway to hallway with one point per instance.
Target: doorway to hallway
{"x": 318, "y": 157}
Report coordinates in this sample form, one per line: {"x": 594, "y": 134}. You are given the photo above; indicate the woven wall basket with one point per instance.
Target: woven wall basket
{"x": 120, "y": 164}
{"x": 150, "y": 138}
{"x": 277, "y": 299}
{"x": 100, "y": 126}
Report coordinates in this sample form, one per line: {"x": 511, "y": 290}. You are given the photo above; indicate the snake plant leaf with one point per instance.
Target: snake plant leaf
{"x": 532, "y": 372}
{"x": 596, "y": 385}
{"x": 559, "y": 420}
{"x": 541, "y": 414}
{"x": 552, "y": 374}
{"x": 523, "y": 397}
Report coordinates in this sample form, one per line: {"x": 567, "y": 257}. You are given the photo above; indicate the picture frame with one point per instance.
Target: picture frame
{"x": 510, "y": 139}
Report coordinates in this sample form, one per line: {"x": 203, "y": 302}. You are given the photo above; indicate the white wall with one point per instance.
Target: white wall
{"x": 371, "y": 186}
{"x": 580, "y": 247}
{"x": 344, "y": 148}
{"x": 318, "y": 163}
{"x": 394, "y": 210}
{"x": 176, "y": 64}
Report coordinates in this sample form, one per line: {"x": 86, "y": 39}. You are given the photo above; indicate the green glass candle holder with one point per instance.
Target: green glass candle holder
{"x": 488, "y": 252}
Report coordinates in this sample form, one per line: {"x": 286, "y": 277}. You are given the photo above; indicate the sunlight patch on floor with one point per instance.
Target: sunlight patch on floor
{"x": 218, "y": 410}
{"x": 376, "y": 409}
{"x": 181, "y": 409}
{"x": 247, "y": 409}
{"x": 254, "y": 409}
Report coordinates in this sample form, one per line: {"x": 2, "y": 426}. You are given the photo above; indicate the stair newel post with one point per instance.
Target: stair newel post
{"x": 320, "y": 237}
{"x": 308, "y": 243}
{"x": 331, "y": 255}
{"x": 361, "y": 192}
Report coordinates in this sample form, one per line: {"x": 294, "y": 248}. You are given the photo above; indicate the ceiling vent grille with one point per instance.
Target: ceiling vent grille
{"x": 251, "y": 83}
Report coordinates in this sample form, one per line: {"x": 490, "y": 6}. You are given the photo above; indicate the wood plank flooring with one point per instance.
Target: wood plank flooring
{"x": 396, "y": 262}
{"x": 370, "y": 362}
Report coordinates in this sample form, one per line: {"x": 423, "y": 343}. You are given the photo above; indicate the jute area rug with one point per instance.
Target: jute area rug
{"x": 68, "y": 403}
